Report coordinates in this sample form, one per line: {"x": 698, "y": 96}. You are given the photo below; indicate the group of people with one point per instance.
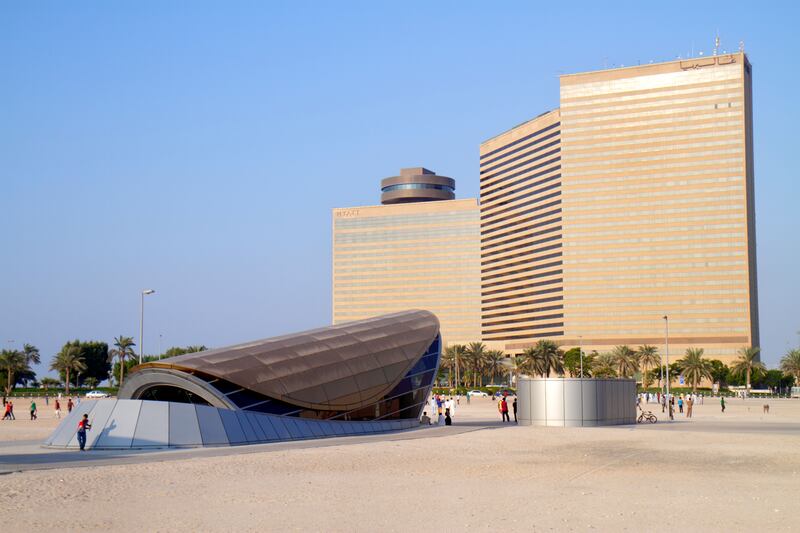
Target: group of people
{"x": 442, "y": 408}
{"x": 685, "y": 402}
{"x": 502, "y": 408}
{"x": 8, "y": 408}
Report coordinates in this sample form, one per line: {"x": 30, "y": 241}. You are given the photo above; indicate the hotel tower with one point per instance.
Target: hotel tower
{"x": 631, "y": 202}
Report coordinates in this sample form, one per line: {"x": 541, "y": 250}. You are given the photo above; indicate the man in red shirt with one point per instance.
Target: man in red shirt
{"x": 504, "y": 410}
{"x": 83, "y": 425}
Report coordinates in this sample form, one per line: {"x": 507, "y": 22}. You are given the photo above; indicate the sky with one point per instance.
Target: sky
{"x": 197, "y": 148}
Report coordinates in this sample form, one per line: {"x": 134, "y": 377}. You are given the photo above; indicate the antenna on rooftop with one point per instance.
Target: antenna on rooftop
{"x": 716, "y": 43}
{"x": 741, "y": 46}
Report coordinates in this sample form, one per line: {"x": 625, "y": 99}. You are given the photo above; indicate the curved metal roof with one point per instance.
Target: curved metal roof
{"x": 339, "y": 367}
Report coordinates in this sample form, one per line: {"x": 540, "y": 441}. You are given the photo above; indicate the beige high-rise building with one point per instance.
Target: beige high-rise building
{"x": 654, "y": 192}
{"x": 419, "y": 250}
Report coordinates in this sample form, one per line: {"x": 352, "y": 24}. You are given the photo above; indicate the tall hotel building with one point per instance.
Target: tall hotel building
{"x": 632, "y": 201}
{"x": 418, "y": 250}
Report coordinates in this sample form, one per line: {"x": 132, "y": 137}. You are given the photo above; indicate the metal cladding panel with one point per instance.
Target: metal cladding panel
{"x": 524, "y": 396}
{"x": 232, "y": 427}
{"x": 266, "y": 426}
{"x": 249, "y": 432}
{"x": 253, "y": 419}
{"x": 311, "y": 369}
{"x": 573, "y": 403}
{"x": 65, "y": 432}
{"x": 280, "y": 427}
{"x": 337, "y": 428}
{"x": 554, "y": 389}
{"x": 211, "y": 429}
{"x": 118, "y": 431}
{"x": 152, "y": 428}
{"x": 589, "y": 402}
{"x": 99, "y": 416}
{"x": 538, "y": 402}
{"x": 184, "y": 429}
{"x": 301, "y": 427}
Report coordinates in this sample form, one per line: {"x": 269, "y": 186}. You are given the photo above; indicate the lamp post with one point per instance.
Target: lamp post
{"x": 580, "y": 349}
{"x": 141, "y": 324}
{"x": 666, "y": 352}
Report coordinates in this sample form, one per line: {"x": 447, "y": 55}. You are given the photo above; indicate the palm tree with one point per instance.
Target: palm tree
{"x": 648, "y": 357}
{"x": 603, "y": 366}
{"x": 625, "y": 361}
{"x": 12, "y": 362}
{"x": 494, "y": 362}
{"x": 448, "y": 361}
{"x": 790, "y": 364}
{"x": 66, "y": 361}
{"x": 476, "y": 355}
{"x": 519, "y": 366}
{"x": 548, "y": 358}
{"x": 124, "y": 348}
{"x": 747, "y": 363}
{"x": 694, "y": 367}
{"x": 49, "y": 382}
{"x": 456, "y": 352}
{"x": 31, "y": 354}
{"x": 533, "y": 361}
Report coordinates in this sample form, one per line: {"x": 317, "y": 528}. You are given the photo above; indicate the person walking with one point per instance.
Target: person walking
{"x": 689, "y": 404}
{"x": 70, "y": 405}
{"x": 7, "y": 412}
{"x": 680, "y": 405}
{"x": 83, "y": 426}
{"x": 447, "y": 420}
{"x": 57, "y": 406}
{"x": 514, "y": 406}
{"x": 468, "y": 397}
{"x": 663, "y": 402}
{"x": 33, "y": 410}
{"x": 11, "y": 410}
{"x": 504, "y": 410}
{"x": 722, "y": 403}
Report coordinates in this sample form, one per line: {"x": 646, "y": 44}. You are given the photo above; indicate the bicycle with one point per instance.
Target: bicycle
{"x": 647, "y": 416}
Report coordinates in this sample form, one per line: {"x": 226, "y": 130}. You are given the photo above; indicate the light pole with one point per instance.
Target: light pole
{"x": 666, "y": 352}
{"x": 141, "y": 324}
{"x": 580, "y": 349}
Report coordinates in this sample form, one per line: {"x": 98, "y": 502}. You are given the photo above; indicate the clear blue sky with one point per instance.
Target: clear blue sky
{"x": 197, "y": 148}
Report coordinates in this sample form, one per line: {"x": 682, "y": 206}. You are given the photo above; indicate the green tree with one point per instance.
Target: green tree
{"x": 604, "y": 366}
{"x": 123, "y": 349}
{"x": 68, "y": 361}
{"x": 625, "y": 361}
{"x": 694, "y": 367}
{"x": 747, "y": 363}
{"x": 719, "y": 372}
{"x": 494, "y": 362}
{"x": 790, "y": 364}
{"x": 476, "y": 355}
{"x": 12, "y": 362}
{"x": 448, "y": 361}
{"x": 49, "y": 382}
{"x": 545, "y": 358}
{"x": 519, "y": 362}
{"x": 648, "y": 358}
{"x": 90, "y": 382}
{"x": 95, "y": 357}
{"x": 31, "y": 354}
{"x": 178, "y": 350}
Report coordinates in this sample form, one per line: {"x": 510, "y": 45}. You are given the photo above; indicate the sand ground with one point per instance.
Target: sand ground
{"x": 733, "y": 472}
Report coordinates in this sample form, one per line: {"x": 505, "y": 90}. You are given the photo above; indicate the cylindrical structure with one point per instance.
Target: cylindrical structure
{"x": 417, "y": 185}
{"x": 576, "y": 402}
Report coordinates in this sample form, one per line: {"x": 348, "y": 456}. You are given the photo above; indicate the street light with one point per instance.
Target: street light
{"x": 580, "y": 349}
{"x": 141, "y": 324}
{"x": 666, "y": 352}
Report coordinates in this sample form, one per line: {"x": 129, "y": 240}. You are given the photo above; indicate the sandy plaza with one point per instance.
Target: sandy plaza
{"x": 737, "y": 471}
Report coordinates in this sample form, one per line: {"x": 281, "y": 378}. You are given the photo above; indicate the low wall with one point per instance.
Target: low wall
{"x": 133, "y": 424}
{"x": 576, "y": 402}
